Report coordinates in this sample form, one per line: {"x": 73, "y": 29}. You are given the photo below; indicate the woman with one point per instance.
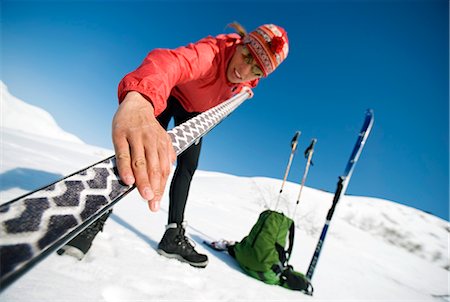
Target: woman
{"x": 182, "y": 83}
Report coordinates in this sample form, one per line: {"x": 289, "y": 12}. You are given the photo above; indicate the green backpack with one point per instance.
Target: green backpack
{"x": 263, "y": 254}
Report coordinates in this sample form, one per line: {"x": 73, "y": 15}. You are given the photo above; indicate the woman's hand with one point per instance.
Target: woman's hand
{"x": 144, "y": 151}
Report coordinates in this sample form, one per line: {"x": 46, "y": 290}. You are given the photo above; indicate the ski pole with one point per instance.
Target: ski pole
{"x": 308, "y": 154}
{"x": 294, "y": 143}
{"x": 342, "y": 186}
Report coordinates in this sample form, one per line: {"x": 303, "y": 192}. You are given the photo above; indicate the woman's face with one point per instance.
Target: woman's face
{"x": 243, "y": 67}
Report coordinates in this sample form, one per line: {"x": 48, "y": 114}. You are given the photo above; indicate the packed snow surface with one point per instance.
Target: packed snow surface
{"x": 375, "y": 250}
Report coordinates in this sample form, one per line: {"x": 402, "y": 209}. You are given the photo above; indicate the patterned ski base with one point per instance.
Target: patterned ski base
{"x": 38, "y": 223}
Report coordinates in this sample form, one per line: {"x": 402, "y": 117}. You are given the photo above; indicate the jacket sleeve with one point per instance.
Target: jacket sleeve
{"x": 163, "y": 69}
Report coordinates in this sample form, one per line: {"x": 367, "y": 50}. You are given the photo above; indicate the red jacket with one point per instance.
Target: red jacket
{"x": 194, "y": 74}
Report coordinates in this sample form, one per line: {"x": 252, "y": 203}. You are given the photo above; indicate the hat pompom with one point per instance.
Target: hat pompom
{"x": 276, "y": 45}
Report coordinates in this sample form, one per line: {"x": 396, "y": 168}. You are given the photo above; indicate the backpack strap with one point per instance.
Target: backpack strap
{"x": 283, "y": 254}
{"x": 291, "y": 241}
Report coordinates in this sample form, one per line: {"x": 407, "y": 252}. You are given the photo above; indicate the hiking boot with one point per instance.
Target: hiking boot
{"x": 175, "y": 244}
{"x": 80, "y": 245}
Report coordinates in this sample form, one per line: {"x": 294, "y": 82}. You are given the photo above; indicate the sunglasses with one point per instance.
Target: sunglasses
{"x": 248, "y": 58}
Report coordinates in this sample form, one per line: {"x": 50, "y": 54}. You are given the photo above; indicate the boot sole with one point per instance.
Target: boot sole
{"x": 181, "y": 259}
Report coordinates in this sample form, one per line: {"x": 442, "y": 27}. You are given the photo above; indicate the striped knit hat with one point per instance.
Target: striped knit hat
{"x": 269, "y": 45}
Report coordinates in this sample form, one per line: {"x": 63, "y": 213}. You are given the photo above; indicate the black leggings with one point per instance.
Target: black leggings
{"x": 187, "y": 162}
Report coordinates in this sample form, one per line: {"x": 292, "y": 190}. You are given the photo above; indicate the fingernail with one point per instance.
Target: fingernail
{"x": 129, "y": 180}
{"x": 148, "y": 194}
{"x": 154, "y": 206}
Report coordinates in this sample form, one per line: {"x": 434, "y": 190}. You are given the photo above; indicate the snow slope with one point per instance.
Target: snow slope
{"x": 31, "y": 147}
{"x": 18, "y": 115}
{"x": 375, "y": 250}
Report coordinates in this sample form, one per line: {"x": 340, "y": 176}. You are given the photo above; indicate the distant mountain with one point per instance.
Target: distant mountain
{"x": 35, "y": 151}
{"x": 18, "y": 115}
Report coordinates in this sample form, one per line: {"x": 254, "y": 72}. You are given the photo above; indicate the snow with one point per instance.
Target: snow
{"x": 376, "y": 249}
{"x": 18, "y": 115}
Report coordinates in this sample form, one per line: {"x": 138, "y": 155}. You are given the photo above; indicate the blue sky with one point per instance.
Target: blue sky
{"x": 345, "y": 56}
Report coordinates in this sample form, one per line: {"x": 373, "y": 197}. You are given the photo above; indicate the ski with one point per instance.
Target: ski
{"x": 342, "y": 186}
{"x": 219, "y": 245}
{"x": 38, "y": 223}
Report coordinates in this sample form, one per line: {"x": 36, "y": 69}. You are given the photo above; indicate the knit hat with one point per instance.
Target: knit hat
{"x": 269, "y": 45}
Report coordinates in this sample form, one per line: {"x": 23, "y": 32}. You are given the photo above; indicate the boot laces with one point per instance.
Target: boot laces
{"x": 97, "y": 226}
{"x": 185, "y": 241}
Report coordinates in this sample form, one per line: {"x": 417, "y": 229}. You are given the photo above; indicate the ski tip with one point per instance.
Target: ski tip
{"x": 219, "y": 245}
{"x": 370, "y": 118}
{"x": 370, "y": 112}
